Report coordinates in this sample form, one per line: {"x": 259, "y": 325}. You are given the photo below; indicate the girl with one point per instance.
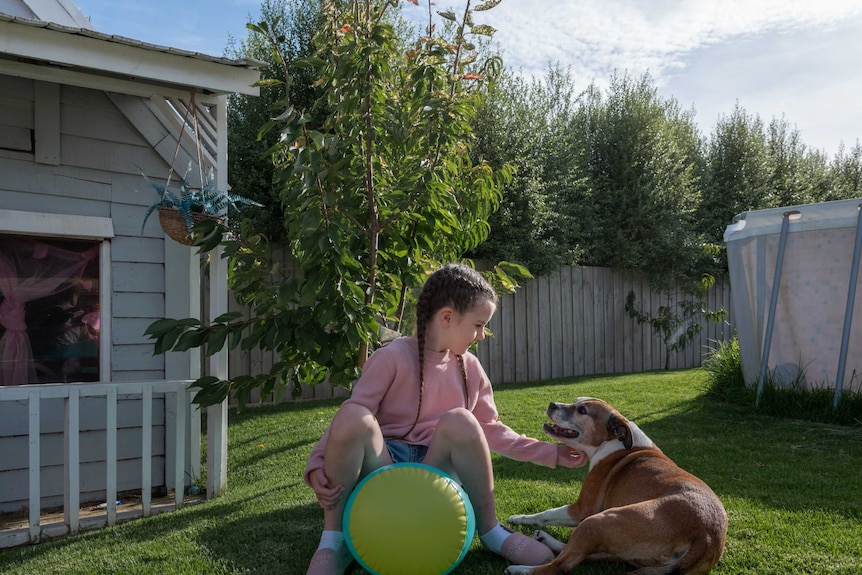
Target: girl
{"x": 427, "y": 399}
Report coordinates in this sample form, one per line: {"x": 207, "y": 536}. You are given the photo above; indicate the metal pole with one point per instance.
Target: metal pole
{"x": 773, "y": 303}
{"x": 848, "y": 313}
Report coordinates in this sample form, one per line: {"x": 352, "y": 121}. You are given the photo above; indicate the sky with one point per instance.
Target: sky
{"x": 791, "y": 59}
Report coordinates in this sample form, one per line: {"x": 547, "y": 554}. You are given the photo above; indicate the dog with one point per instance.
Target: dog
{"x": 635, "y": 506}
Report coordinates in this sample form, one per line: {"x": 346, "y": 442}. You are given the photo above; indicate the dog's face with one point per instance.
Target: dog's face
{"x": 587, "y": 423}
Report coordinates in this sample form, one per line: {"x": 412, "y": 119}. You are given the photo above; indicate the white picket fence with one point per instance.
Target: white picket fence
{"x": 176, "y": 392}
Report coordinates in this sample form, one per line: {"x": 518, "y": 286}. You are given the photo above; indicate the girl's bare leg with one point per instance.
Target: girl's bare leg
{"x": 355, "y": 449}
{"x": 459, "y": 448}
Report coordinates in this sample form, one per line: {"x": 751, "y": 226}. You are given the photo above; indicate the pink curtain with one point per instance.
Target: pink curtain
{"x": 31, "y": 270}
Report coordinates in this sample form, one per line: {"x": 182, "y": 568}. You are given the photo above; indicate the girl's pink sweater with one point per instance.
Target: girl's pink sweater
{"x": 389, "y": 388}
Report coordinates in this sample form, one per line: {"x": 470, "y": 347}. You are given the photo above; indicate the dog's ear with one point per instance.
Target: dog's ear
{"x": 619, "y": 428}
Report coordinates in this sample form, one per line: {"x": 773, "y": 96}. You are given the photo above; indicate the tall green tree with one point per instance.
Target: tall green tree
{"x": 795, "y": 174}
{"x": 752, "y": 166}
{"x": 378, "y": 187}
{"x": 524, "y": 123}
{"x": 640, "y": 153}
{"x": 293, "y": 25}
{"x": 846, "y": 172}
{"x": 736, "y": 176}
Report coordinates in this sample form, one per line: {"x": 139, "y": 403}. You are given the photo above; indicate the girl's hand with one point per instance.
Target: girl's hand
{"x": 568, "y": 457}
{"x": 327, "y": 495}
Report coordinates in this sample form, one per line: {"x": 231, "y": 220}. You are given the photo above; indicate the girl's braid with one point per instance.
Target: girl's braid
{"x": 455, "y": 285}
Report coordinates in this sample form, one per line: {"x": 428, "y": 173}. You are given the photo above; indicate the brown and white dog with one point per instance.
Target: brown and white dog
{"x": 636, "y": 505}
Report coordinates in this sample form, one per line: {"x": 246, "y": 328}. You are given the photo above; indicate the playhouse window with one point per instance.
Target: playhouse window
{"x": 50, "y": 315}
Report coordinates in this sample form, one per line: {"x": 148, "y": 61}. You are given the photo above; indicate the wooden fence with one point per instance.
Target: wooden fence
{"x": 572, "y": 322}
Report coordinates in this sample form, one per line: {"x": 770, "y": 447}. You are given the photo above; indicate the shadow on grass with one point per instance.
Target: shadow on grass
{"x": 139, "y": 531}
{"x": 283, "y": 541}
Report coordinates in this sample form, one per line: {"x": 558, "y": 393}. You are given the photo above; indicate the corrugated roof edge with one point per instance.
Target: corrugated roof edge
{"x": 250, "y": 63}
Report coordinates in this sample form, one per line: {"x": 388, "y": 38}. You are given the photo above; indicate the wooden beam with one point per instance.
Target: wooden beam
{"x": 218, "y": 362}
{"x": 38, "y": 223}
{"x": 94, "y": 81}
{"x": 71, "y": 465}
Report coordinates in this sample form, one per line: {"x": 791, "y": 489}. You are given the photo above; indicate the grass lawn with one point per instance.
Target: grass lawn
{"x": 792, "y": 489}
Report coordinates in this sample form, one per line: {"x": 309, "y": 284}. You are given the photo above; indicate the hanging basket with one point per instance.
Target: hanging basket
{"x": 175, "y": 227}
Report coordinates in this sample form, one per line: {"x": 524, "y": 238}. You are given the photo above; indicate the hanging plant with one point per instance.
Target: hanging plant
{"x": 180, "y": 211}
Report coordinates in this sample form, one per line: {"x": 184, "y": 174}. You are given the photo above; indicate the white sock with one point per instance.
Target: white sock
{"x": 494, "y": 538}
{"x": 331, "y": 540}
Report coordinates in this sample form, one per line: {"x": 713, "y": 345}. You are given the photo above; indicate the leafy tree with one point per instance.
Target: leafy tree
{"x": 640, "y": 154}
{"x": 846, "y": 171}
{"x": 752, "y": 167}
{"x": 378, "y": 187}
{"x": 736, "y": 176}
{"x": 790, "y": 184}
{"x": 524, "y": 124}
{"x": 292, "y": 24}
{"x": 817, "y": 172}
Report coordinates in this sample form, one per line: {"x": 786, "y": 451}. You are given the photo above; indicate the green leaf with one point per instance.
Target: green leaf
{"x": 215, "y": 341}
{"x": 469, "y": 59}
{"x": 448, "y": 15}
{"x": 189, "y": 340}
{"x": 228, "y": 317}
{"x": 308, "y": 62}
{"x": 486, "y": 5}
{"x": 212, "y": 390}
{"x": 260, "y": 28}
{"x": 483, "y": 29}
{"x": 167, "y": 341}
{"x": 161, "y": 326}
{"x": 267, "y": 83}
{"x": 235, "y": 338}
{"x": 317, "y": 137}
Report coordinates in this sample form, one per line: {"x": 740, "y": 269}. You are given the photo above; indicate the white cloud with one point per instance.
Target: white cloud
{"x": 598, "y": 36}
{"x": 777, "y": 58}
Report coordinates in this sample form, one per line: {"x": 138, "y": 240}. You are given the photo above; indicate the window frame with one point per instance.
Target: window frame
{"x": 40, "y": 224}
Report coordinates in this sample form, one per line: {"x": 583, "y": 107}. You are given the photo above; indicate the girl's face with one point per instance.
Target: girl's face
{"x": 462, "y": 330}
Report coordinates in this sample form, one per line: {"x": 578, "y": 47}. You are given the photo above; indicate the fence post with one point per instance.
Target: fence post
{"x": 34, "y": 408}
{"x": 146, "y": 449}
{"x": 71, "y": 466}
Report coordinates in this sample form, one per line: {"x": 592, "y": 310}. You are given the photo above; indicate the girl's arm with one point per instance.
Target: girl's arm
{"x": 501, "y": 438}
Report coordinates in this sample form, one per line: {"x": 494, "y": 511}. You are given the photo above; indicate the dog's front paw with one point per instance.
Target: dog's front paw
{"x": 557, "y": 516}
{"x": 518, "y": 570}
{"x": 537, "y": 519}
{"x": 521, "y": 520}
{"x": 549, "y": 541}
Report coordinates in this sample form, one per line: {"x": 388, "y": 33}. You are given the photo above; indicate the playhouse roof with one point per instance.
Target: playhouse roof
{"x": 66, "y": 49}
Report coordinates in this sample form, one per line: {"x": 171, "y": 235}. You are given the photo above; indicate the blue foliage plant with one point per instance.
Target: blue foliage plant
{"x": 208, "y": 200}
